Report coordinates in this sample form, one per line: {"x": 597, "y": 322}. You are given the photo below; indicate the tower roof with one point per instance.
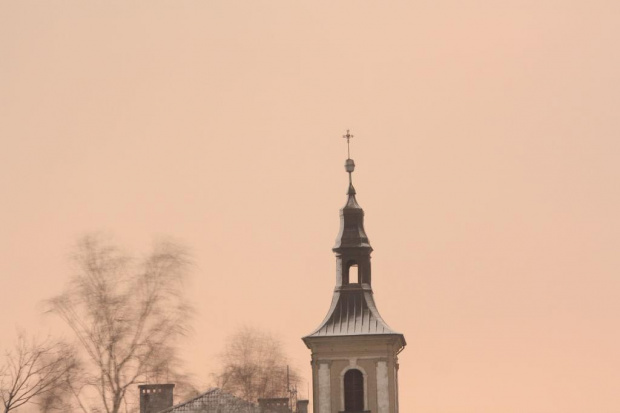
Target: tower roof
{"x": 352, "y": 233}
{"x": 352, "y": 312}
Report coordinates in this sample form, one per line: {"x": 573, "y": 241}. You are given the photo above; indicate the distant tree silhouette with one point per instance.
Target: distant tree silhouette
{"x": 254, "y": 366}
{"x": 128, "y": 316}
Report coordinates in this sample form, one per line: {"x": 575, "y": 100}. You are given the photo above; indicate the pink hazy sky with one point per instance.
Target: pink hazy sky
{"x": 487, "y": 144}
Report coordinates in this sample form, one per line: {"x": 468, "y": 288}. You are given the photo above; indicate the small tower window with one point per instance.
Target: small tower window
{"x": 353, "y": 275}
{"x": 353, "y": 391}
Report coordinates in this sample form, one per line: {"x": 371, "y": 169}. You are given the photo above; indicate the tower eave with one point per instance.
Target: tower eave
{"x": 397, "y": 339}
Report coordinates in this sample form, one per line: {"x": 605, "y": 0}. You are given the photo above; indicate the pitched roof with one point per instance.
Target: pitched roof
{"x": 214, "y": 400}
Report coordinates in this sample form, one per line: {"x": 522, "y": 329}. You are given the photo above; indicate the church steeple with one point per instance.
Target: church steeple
{"x": 353, "y": 310}
{"x": 354, "y": 351}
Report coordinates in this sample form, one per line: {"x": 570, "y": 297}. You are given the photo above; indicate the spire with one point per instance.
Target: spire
{"x": 352, "y": 234}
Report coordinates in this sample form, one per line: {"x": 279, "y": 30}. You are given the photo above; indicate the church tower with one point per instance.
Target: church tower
{"x": 354, "y": 352}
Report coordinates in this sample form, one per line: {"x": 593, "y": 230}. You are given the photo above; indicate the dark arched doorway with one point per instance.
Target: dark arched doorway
{"x": 353, "y": 391}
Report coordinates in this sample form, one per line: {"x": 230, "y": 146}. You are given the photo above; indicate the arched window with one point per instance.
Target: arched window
{"x": 353, "y": 391}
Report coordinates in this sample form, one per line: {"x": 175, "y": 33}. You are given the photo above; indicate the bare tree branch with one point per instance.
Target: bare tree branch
{"x": 33, "y": 371}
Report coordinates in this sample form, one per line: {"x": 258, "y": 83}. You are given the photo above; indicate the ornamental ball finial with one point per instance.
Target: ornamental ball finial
{"x": 349, "y": 165}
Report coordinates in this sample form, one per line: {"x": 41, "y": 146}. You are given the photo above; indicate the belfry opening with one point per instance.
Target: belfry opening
{"x": 352, "y": 274}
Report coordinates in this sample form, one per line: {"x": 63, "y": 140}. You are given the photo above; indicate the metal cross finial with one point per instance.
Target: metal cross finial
{"x": 348, "y": 136}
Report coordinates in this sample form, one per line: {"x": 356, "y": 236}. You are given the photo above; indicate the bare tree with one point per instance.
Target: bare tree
{"x": 255, "y": 366}
{"x": 128, "y": 315}
{"x": 33, "y": 371}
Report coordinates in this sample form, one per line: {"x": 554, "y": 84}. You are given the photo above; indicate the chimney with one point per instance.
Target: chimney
{"x": 274, "y": 405}
{"x": 155, "y": 397}
{"x": 302, "y": 406}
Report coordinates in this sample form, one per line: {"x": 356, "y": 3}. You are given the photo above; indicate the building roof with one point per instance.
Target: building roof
{"x": 214, "y": 400}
